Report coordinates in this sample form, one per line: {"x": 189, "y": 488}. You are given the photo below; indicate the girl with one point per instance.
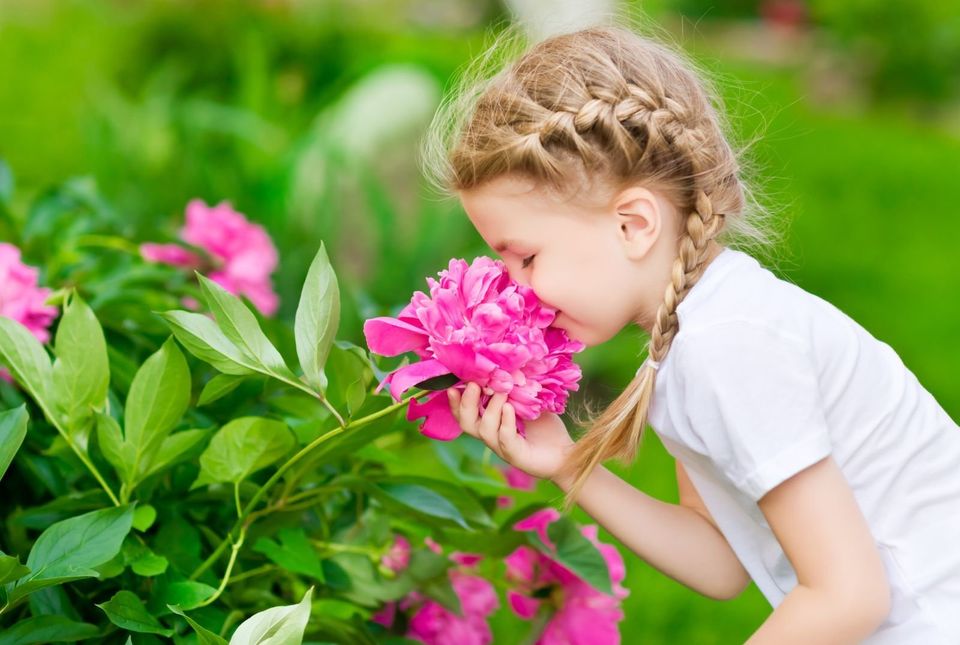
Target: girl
{"x": 808, "y": 457}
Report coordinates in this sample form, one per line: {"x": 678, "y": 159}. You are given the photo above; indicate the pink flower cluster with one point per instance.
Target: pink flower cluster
{"x": 581, "y": 615}
{"x": 20, "y": 297}
{"x": 430, "y": 622}
{"x": 239, "y": 254}
{"x": 517, "y": 479}
{"x": 479, "y": 325}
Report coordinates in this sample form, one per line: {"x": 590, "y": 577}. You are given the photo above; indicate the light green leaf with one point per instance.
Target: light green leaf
{"x": 422, "y": 499}
{"x": 159, "y": 395}
{"x": 142, "y": 559}
{"x": 26, "y": 359}
{"x": 219, "y": 386}
{"x": 294, "y": 552}
{"x": 349, "y": 376}
{"x": 317, "y": 318}
{"x": 70, "y": 549}
{"x": 275, "y": 626}
{"x": 13, "y": 429}
{"x": 242, "y": 447}
{"x": 144, "y": 517}
{"x": 174, "y": 449}
{"x": 118, "y": 452}
{"x": 186, "y": 593}
{"x": 47, "y": 629}
{"x": 81, "y": 372}
{"x": 204, "y": 635}
{"x": 126, "y": 610}
{"x": 203, "y": 339}
{"x": 11, "y": 569}
{"x": 240, "y": 326}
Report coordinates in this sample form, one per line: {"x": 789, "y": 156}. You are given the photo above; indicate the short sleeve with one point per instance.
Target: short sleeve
{"x": 751, "y": 397}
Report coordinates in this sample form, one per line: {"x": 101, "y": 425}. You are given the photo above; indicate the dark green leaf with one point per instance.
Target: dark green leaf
{"x": 441, "y": 382}
{"x": 294, "y": 552}
{"x": 47, "y": 629}
{"x": 126, "y": 610}
{"x": 13, "y": 428}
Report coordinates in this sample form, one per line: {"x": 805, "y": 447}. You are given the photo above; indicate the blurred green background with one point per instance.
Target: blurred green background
{"x": 307, "y": 117}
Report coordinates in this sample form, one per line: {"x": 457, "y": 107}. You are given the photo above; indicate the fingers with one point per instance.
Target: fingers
{"x": 490, "y": 423}
{"x": 464, "y": 407}
{"x": 507, "y": 438}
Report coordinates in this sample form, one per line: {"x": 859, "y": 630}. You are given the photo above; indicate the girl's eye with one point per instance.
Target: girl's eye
{"x": 527, "y": 261}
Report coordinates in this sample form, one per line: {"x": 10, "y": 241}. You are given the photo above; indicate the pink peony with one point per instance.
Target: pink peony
{"x": 431, "y": 623}
{"x": 398, "y": 557}
{"x": 241, "y": 254}
{"x": 480, "y": 326}
{"x": 20, "y": 297}
{"x": 518, "y": 479}
{"x": 582, "y": 615}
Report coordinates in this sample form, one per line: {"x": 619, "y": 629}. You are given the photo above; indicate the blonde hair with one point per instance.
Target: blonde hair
{"x": 595, "y": 110}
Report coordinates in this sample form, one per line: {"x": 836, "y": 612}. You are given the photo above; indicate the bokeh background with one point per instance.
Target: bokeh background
{"x": 307, "y": 115}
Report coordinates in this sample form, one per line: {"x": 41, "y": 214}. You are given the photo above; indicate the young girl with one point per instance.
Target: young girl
{"x": 808, "y": 457}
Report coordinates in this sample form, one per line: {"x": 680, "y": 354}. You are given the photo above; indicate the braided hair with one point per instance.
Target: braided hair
{"x": 586, "y": 113}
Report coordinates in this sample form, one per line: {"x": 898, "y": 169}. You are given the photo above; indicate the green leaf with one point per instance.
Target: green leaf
{"x": 118, "y": 452}
{"x": 47, "y": 629}
{"x": 26, "y": 359}
{"x": 174, "y": 449}
{"x": 460, "y": 497}
{"x": 81, "y": 372}
{"x": 204, "y": 635}
{"x": 159, "y": 395}
{"x": 577, "y": 553}
{"x": 240, "y": 326}
{"x": 143, "y": 561}
{"x": 126, "y": 610}
{"x": 13, "y": 428}
{"x": 144, "y": 517}
{"x": 441, "y": 382}
{"x": 6, "y": 182}
{"x": 11, "y": 569}
{"x": 71, "y": 548}
{"x": 422, "y": 499}
{"x": 349, "y": 375}
{"x": 186, "y": 593}
{"x": 242, "y": 447}
{"x": 294, "y": 552}
{"x": 317, "y": 318}
{"x": 219, "y": 386}
{"x": 275, "y": 626}
{"x": 203, "y": 339}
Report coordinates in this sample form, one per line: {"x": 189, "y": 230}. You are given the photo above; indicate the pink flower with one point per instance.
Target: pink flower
{"x": 398, "y": 557}
{"x": 20, "y": 297}
{"x": 480, "y": 326}
{"x": 241, "y": 254}
{"x": 518, "y": 479}
{"x": 582, "y": 615}
{"x": 431, "y": 623}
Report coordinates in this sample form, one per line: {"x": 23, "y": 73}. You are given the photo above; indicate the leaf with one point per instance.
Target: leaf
{"x": 6, "y": 182}
{"x": 11, "y": 569}
{"x": 174, "y": 449}
{"x": 159, "y": 395}
{"x": 294, "y": 552}
{"x": 275, "y": 626}
{"x": 317, "y": 318}
{"x": 144, "y": 516}
{"x": 219, "y": 386}
{"x": 71, "y": 548}
{"x": 142, "y": 560}
{"x": 118, "y": 452}
{"x": 13, "y": 428}
{"x": 240, "y": 326}
{"x": 185, "y": 593}
{"x": 441, "y": 382}
{"x": 204, "y": 635}
{"x": 577, "y": 553}
{"x": 81, "y": 372}
{"x": 27, "y": 360}
{"x": 460, "y": 497}
{"x": 203, "y": 339}
{"x": 349, "y": 374}
{"x": 242, "y": 447}
{"x": 422, "y": 499}
{"x": 47, "y": 629}
{"x": 126, "y": 610}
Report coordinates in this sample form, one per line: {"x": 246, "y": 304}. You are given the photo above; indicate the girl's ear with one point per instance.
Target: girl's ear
{"x": 639, "y": 217}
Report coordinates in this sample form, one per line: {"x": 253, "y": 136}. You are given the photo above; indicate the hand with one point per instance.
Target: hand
{"x": 540, "y": 453}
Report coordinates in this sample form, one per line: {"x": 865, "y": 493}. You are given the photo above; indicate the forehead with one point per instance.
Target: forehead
{"x": 516, "y": 209}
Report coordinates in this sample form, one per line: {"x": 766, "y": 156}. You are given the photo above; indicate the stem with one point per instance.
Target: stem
{"x": 236, "y": 498}
{"x": 226, "y": 575}
{"x": 286, "y": 466}
{"x": 266, "y": 568}
{"x": 300, "y": 386}
{"x": 108, "y": 242}
{"x": 348, "y": 548}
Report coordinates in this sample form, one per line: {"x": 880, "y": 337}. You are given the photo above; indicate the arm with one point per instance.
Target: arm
{"x": 842, "y": 593}
{"x": 676, "y": 540}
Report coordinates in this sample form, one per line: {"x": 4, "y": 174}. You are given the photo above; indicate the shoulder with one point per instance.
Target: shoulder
{"x": 737, "y": 343}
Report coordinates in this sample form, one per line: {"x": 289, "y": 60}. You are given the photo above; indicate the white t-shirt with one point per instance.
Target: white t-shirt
{"x": 764, "y": 379}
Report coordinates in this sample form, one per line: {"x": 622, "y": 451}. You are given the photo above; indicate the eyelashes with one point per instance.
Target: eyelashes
{"x": 526, "y": 261}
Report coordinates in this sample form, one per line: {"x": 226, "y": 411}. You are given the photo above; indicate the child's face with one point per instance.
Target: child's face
{"x": 601, "y": 268}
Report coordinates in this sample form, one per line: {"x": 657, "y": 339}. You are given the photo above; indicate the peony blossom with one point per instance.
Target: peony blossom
{"x": 478, "y": 325}
{"x": 432, "y": 623}
{"x": 582, "y": 615}
{"x": 240, "y": 254}
{"x": 398, "y": 557}
{"x": 20, "y": 297}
